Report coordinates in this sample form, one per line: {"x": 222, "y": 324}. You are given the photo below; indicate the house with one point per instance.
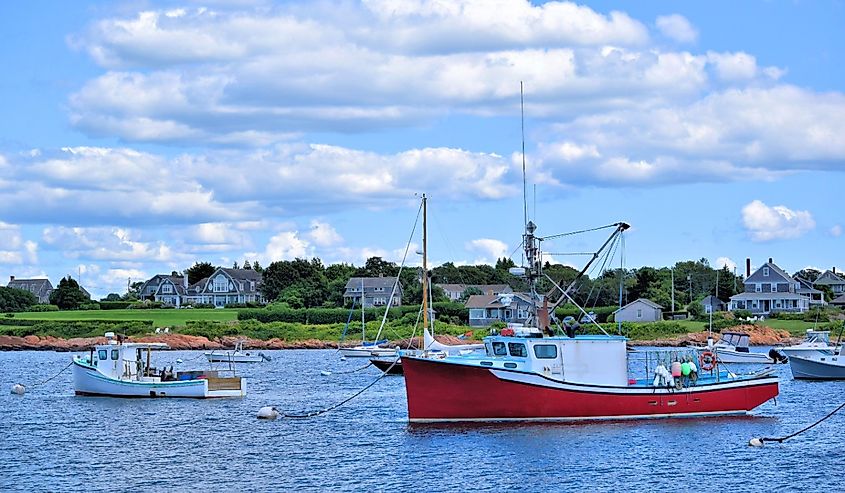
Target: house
{"x": 376, "y": 291}
{"x": 149, "y": 288}
{"x": 839, "y": 301}
{"x": 713, "y": 304}
{"x": 831, "y": 279}
{"x": 641, "y": 310}
{"x": 770, "y": 289}
{"x": 816, "y": 296}
{"x": 455, "y": 291}
{"x": 41, "y": 288}
{"x": 485, "y": 309}
{"x": 223, "y": 287}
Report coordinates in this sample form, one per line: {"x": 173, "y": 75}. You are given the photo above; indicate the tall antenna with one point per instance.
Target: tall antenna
{"x": 522, "y": 122}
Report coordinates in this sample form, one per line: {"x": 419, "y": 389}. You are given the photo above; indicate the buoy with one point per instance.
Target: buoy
{"x": 178, "y": 360}
{"x": 755, "y": 442}
{"x": 18, "y": 389}
{"x": 676, "y": 369}
{"x": 325, "y": 373}
{"x": 685, "y": 369}
{"x": 268, "y": 412}
{"x": 343, "y": 358}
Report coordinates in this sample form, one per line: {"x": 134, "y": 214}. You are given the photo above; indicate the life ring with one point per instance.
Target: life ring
{"x": 707, "y": 360}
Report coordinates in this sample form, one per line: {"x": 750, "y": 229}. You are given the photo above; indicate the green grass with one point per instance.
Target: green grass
{"x": 794, "y": 327}
{"x": 160, "y": 318}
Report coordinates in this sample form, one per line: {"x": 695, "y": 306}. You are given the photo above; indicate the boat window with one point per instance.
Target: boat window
{"x": 545, "y": 351}
{"x": 510, "y": 365}
{"x": 114, "y": 354}
{"x": 103, "y": 354}
{"x": 517, "y": 349}
{"x": 486, "y": 363}
{"x": 499, "y": 349}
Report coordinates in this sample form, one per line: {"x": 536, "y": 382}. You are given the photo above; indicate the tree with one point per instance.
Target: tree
{"x": 377, "y": 267}
{"x": 303, "y": 279}
{"x": 808, "y": 274}
{"x": 696, "y": 309}
{"x": 235, "y": 265}
{"x": 246, "y": 265}
{"x": 199, "y": 271}
{"x": 134, "y": 291}
{"x": 68, "y": 296}
{"x": 257, "y": 267}
{"x": 470, "y": 291}
{"x": 16, "y": 300}
{"x": 112, "y": 297}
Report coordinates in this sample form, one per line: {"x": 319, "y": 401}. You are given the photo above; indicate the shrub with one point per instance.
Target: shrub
{"x": 602, "y": 313}
{"x": 44, "y": 308}
{"x": 147, "y": 305}
{"x": 114, "y": 305}
{"x": 89, "y": 306}
{"x": 742, "y": 313}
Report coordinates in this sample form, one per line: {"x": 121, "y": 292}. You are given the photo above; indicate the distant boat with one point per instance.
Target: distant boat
{"x": 367, "y": 349}
{"x": 816, "y": 341}
{"x": 733, "y": 348}
{"x": 118, "y": 369}
{"x": 236, "y": 355}
{"x": 822, "y": 362}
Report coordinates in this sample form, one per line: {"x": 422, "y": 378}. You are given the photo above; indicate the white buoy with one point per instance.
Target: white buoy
{"x": 268, "y": 412}
{"x": 755, "y": 442}
{"x": 178, "y": 360}
{"x": 325, "y": 373}
{"x": 343, "y": 358}
{"x": 18, "y": 389}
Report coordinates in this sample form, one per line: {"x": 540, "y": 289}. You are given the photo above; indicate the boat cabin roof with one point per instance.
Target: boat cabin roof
{"x": 136, "y": 345}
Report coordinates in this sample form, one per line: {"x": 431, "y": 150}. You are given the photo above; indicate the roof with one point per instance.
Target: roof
{"x": 494, "y": 301}
{"x": 712, "y": 301}
{"x": 839, "y": 300}
{"x": 26, "y": 283}
{"x": 754, "y": 277}
{"x": 242, "y": 274}
{"x": 829, "y": 278}
{"x": 644, "y": 301}
{"x": 371, "y": 282}
{"x": 482, "y": 287}
{"x": 768, "y": 296}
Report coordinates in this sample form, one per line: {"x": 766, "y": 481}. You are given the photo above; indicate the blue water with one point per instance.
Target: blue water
{"x": 54, "y": 441}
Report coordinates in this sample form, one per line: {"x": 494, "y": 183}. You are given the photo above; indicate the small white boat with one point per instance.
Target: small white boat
{"x": 236, "y": 355}
{"x": 118, "y": 369}
{"x": 369, "y": 350}
{"x": 815, "y": 342}
{"x": 733, "y": 348}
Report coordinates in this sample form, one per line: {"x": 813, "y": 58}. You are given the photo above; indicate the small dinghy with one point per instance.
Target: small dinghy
{"x": 236, "y": 355}
{"x": 121, "y": 369}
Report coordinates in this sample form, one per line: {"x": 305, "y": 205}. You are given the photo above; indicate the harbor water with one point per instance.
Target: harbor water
{"x": 55, "y": 441}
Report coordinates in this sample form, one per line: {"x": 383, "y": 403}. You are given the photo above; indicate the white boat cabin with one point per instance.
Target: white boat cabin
{"x": 128, "y": 361}
{"x": 598, "y": 360}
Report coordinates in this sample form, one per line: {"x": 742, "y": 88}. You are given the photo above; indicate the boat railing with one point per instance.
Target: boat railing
{"x": 643, "y": 362}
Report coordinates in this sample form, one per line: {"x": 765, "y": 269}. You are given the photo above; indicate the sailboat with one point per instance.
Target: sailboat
{"x": 368, "y": 349}
{"x": 529, "y": 375}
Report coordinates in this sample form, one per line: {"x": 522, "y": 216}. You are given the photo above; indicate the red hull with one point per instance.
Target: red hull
{"x": 442, "y": 391}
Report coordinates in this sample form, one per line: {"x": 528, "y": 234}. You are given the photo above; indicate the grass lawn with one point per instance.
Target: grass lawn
{"x": 795, "y": 327}
{"x": 160, "y": 318}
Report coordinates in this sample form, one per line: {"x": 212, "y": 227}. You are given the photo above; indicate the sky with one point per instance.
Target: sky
{"x": 140, "y": 137}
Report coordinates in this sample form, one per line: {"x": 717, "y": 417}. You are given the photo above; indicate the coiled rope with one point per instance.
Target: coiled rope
{"x": 331, "y": 408}
{"x": 758, "y": 442}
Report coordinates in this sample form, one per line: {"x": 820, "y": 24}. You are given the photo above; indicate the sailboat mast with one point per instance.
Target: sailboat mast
{"x": 363, "y": 323}
{"x": 425, "y": 264}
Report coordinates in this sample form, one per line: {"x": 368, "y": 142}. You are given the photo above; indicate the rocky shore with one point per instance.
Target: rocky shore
{"x": 760, "y": 336}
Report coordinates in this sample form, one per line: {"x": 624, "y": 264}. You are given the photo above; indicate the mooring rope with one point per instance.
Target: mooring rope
{"x": 45, "y": 381}
{"x": 760, "y": 441}
{"x": 331, "y": 408}
{"x": 347, "y": 372}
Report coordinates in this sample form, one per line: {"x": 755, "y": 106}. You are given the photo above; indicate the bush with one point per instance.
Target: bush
{"x": 43, "y": 308}
{"x": 114, "y": 305}
{"x": 742, "y": 313}
{"x": 602, "y": 313}
{"x": 89, "y": 306}
{"x": 147, "y": 305}
{"x": 78, "y": 328}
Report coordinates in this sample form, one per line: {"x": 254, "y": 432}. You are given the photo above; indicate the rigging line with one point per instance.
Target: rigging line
{"x": 584, "y": 312}
{"x": 568, "y": 253}
{"x": 356, "y": 394}
{"x": 600, "y": 269}
{"x": 402, "y": 266}
{"x": 560, "y": 235}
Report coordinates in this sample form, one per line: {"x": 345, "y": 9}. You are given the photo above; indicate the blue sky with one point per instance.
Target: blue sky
{"x": 139, "y": 137}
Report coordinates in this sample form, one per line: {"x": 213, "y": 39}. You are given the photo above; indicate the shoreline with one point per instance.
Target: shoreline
{"x": 759, "y": 336}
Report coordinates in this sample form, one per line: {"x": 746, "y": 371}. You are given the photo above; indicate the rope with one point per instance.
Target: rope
{"x": 331, "y": 408}
{"x": 783, "y": 439}
{"x": 45, "y": 381}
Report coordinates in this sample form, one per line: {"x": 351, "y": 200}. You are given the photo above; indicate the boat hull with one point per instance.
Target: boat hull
{"x": 87, "y": 381}
{"x": 234, "y": 358}
{"x": 810, "y": 369}
{"x": 439, "y": 391}
{"x": 389, "y": 366}
{"x": 368, "y": 352}
{"x": 740, "y": 357}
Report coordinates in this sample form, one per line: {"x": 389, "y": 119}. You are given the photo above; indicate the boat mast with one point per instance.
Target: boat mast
{"x": 529, "y": 241}
{"x": 425, "y": 265}
{"x": 363, "y": 323}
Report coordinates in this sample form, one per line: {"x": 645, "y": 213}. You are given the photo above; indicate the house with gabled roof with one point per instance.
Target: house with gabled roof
{"x": 455, "y": 291}
{"x": 148, "y": 290}
{"x": 831, "y": 279}
{"x": 41, "y": 288}
{"x": 806, "y": 288}
{"x": 770, "y": 289}
{"x": 223, "y": 287}
{"x": 484, "y": 309}
{"x": 713, "y": 304}
{"x": 374, "y": 291}
{"x": 640, "y": 310}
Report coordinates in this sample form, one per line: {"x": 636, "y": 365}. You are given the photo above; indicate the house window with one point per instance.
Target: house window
{"x": 476, "y": 313}
{"x": 639, "y": 313}
{"x": 220, "y": 285}
{"x": 167, "y": 288}
{"x": 765, "y": 272}
{"x": 522, "y": 313}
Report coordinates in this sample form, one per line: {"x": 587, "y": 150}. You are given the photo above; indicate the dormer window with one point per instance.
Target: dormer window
{"x": 765, "y": 272}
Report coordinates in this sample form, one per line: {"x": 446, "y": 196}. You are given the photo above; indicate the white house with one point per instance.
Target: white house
{"x": 223, "y": 287}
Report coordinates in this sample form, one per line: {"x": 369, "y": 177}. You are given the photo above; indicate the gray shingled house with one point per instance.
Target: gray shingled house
{"x": 41, "y": 288}
{"x": 376, "y": 291}
{"x": 641, "y": 310}
{"x": 770, "y": 289}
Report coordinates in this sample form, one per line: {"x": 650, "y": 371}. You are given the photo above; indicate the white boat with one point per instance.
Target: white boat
{"x": 236, "y": 355}
{"x": 819, "y": 365}
{"x": 369, "y": 350}
{"x": 815, "y": 342}
{"x": 118, "y": 369}
{"x": 733, "y": 348}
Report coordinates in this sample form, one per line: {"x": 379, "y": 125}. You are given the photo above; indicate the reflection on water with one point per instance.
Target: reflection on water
{"x": 54, "y": 441}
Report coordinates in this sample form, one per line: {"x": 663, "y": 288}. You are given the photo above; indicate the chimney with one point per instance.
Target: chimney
{"x": 185, "y": 280}
{"x": 12, "y": 278}
{"x": 834, "y": 271}
{"x": 770, "y": 260}
{"x": 747, "y": 267}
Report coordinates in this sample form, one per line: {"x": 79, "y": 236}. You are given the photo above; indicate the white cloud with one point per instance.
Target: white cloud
{"x": 323, "y": 234}
{"x": 836, "y": 231}
{"x": 286, "y": 245}
{"x": 13, "y": 248}
{"x": 490, "y": 249}
{"x": 677, "y": 27}
{"x": 107, "y": 244}
{"x": 765, "y": 223}
{"x": 725, "y": 262}
{"x": 734, "y": 66}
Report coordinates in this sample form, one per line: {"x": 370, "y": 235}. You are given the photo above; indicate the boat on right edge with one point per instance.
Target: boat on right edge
{"x": 816, "y": 358}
